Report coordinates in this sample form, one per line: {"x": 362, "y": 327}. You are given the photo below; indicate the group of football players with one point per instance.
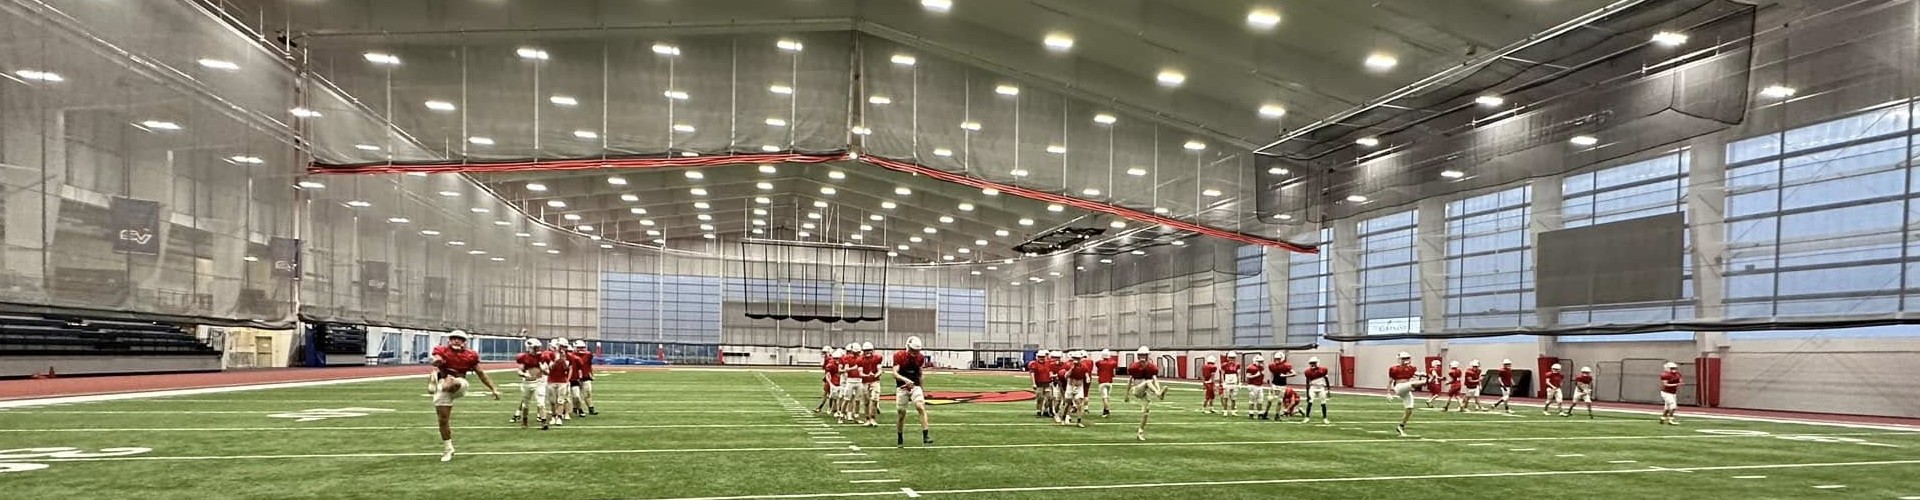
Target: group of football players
{"x": 1063, "y": 383}
{"x": 556, "y": 382}
{"x": 850, "y": 387}
{"x": 1464, "y": 386}
{"x": 1267, "y": 385}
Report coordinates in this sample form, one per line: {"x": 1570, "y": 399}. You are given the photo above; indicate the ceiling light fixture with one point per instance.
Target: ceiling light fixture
{"x": 945, "y": 219}
{"x": 1026, "y": 222}
{"x": 1584, "y": 140}
{"x": 789, "y": 45}
{"x": 1161, "y": 210}
{"x": 902, "y": 191}
{"x": 556, "y": 204}
{"x": 770, "y": 148}
{"x": 1263, "y": 18}
{"x": 698, "y": 191}
{"x": 1119, "y": 224}
{"x": 1277, "y": 171}
{"x": 915, "y": 239}
{"x": 1381, "y": 61}
{"x": 666, "y": 49}
{"x": 1670, "y": 38}
{"x": 768, "y": 169}
{"x": 763, "y": 200}
{"x": 970, "y": 126}
{"x": 429, "y": 232}
{"x": 1090, "y": 192}
{"x": 776, "y": 122}
{"x": 535, "y": 186}
{"x": 586, "y": 134}
{"x": 1001, "y": 232}
{"x": 1171, "y": 78}
{"x": 942, "y": 152}
{"x": 160, "y": 125}
{"x": 683, "y": 128}
{"x": 1105, "y": 119}
{"x": 249, "y": 160}
{"x": 990, "y": 191}
{"x": 480, "y": 141}
{"x": 531, "y": 53}
{"x": 764, "y": 186}
{"x": 1055, "y": 208}
{"x": 1058, "y": 42}
{"x": 904, "y": 60}
{"x": 399, "y": 220}
{"x": 440, "y": 106}
{"x": 366, "y": 147}
{"x": 1056, "y": 149}
{"x": 1368, "y": 141}
{"x": 1004, "y": 89}
{"x": 1136, "y": 171}
{"x": 310, "y": 185}
{"x": 571, "y": 217}
{"x": 941, "y": 6}
{"x": 966, "y": 207}
{"x": 880, "y": 100}
{"x": 1272, "y": 111}
{"x": 1018, "y": 172}
{"x": 1490, "y": 100}
{"x": 379, "y": 58}
{"x": 1357, "y": 198}
{"x": 1777, "y": 91}
{"x": 677, "y": 95}
{"x": 1452, "y": 174}
{"x": 1210, "y": 193}
{"x": 829, "y": 191}
{"x": 218, "y": 64}
{"x": 450, "y": 194}
{"x": 305, "y": 113}
{"x": 1195, "y": 146}
{"x": 561, "y": 100}
{"x": 701, "y": 205}
{"x": 861, "y": 130}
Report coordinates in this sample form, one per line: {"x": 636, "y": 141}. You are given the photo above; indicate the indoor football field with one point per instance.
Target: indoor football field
{"x": 736, "y": 433}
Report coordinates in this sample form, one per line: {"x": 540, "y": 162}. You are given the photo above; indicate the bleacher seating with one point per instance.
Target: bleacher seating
{"x": 72, "y": 336}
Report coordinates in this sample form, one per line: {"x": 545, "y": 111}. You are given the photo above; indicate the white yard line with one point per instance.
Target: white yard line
{"x": 1350, "y": 479}
{"x": 95, "y": 398}
{"x": 671, "y": 426}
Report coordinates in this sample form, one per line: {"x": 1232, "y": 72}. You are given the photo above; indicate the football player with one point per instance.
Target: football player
{"x": 1552, "y": 381}
{"x": 1076, "y": 395}
{"x": 451, "y": 363}
{"x": 907, "y": 366}
{"x": 1669, "y": 393}
{"x": 1060, "y": 365}
{"x": 1582, "y": 391}
{"x": 1103, "y": 372}
{"x": 1229, "y": 382}
{"x": 836, "y": 374}
{"x": 852, "y": 390}
{"x": 1210, "y": 383}
{"x": 1434, "y": 382}
{"x": 1456, "y": 380}
{"x": 1280, "y": 371}
{"x": 1404, "y": 377}
{"x": 870, "y": 380}
{"x": 1317, "y": 388}
{"x": 582, "y": 380}
{"x": 826, "y": 379}
{"x": 1142, "y": 383}
{"x": 1042, "y": 383}
{"x": 1473, "y": 380}
{"x": 1505, "y": 374}
{"x": 559, "y": 369}
{"x": 530, "y": 386}
{"x": 1256, "y": 386}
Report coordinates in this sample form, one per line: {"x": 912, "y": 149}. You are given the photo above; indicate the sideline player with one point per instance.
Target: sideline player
{"x": 826, "y": 379}
{"x": 870, "y": 381}
{"x": 1552, "y": 381}
{"x": 1103, "y": 373}
{"x": 1404, "y": 378}
{"x": 559, "y": 368}
{"x": 1280, "y": 371}
{"x": 1042, "y": 384}
{"x": 1669, "y": 394}
{"x": 1143, "y": 383}
{"x": 1256, "y": 386}
{"x": 1582, "y": 390}
{"x": 1210, "y": 383}
{"x": 1317, "y": 385}
{"x": 1455, "y": 381}
{"x": 1229, "y": 383}
{"x": 582, "y": 361}
{"x": 451, "y": 363}
{"x": 907, "y": 391}
{"x": 531, "y": 371}
{"x": 1506, "y": 386}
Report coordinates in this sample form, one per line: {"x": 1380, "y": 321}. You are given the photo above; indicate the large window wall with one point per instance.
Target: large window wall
{"x": 1310, "y": 297}
{"x": 1490, "y": 261}
{"x": 1389, "y": 299}
{"x": 687, "y": 308}
{"x": 1252, "y": 301}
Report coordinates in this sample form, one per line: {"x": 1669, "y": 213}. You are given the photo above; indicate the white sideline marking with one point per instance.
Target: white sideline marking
{"x": 1352, "y": 479}
{"x": 862, "y": 471}
{"x": 853, "y": 462}
{"x": 1829, "y": 486}
{"x": 1569, "y": 455}
{"x": 910, "y": 493}
{"x": 95, "y": 398}
{"x": 1520, "y": 449}
{"x": 1623, "y": 461}
{"x": 1480, "y": 444}
{"x": 691, "y": 426}
{"x": 1915, "y": 497}
{"x": 1749, "y": 477}
{"x": 856, "y": 449}
{"x": 876, "y": 481}
{"x": 1656, "y": 467}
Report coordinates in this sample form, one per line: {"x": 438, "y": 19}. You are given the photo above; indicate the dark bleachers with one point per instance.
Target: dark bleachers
{"x": 73, "y": 336}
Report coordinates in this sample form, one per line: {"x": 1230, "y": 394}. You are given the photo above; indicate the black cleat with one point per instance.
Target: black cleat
{"x": 591, "y": 411}
{"x": 514, "y": 420}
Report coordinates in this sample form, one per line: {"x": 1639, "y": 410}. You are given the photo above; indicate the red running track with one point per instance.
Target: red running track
{"x": 81, "y": 386}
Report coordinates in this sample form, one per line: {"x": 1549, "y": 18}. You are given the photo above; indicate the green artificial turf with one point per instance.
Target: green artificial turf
{"x": 719, "y": 433}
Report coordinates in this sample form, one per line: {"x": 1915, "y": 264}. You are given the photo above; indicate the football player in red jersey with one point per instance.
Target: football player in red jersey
{"x": 530, "y": 372}
{"x": 1456, "y": 381}
{"x": 1229, "y": 383}
{"x": 835, "y": 374}
{"x": 451, "y": 363}
{"x": 1103, "y": 372}
{"x": 1143, "y": 383}
{"x": 870, "y": 382}
{"x": 1256, "y": 386}
{"x": 559, "y": 368}
{"x": 1317, "y": 387}
{"x": 1060, "y": 365}
{"x": 1279, "y": 371}
{"x": 1505, "y": 375}
{"x": 1209, "y": 383}
{"x": 1474, "y": 378}
{"x": 851, "y": 388}
{"x": 1404, "y": 378}
{"x": 1669, "y": 393}
{"x": 1582, "y": 391}
{"x": 1435, "y": 383}
{"x": 1076, "y": 395}
{"x": 826, "y": 379}
{"x": 907, "y": 365}
{"x": 1551, "y": 380}
{"x": 581, "y": 361}
{"x": 1042, "y": 383}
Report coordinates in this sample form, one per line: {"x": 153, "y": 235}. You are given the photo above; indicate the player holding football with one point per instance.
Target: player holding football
{"x": 530, "y": 385}
{"x": 1143, "y": 383}
{"x": 907, "y": 365}
{"x": 1505, "y": 374}
{"x": 1256, "y": 386}
{"x": 1404, "y": 378}
{"x": 870, "y": 380}
{"x": 1669, "y": 393}
{"x": 1210, "y": 383}
{"x": 1474, "y": 378}
{"x": 1582, "y": 390}
{"x": 1552, "y": 380}
{"x": 1103, "y": 373}
{"x": 1229, "y": 383}
{"x": 451, "y": 363}
{"x": 559, "y": 369}
{"x": 1317, "y": 386}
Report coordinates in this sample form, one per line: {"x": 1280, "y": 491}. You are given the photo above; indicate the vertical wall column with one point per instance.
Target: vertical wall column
{"x": 1346, "y": 277}
{"x": 1706, "y": 216}
{"x": 1547, "y": 215}
{"x": 33, "y": 146}
{"x": 1430, "y": 256}
{"x": 1274, "y": 265}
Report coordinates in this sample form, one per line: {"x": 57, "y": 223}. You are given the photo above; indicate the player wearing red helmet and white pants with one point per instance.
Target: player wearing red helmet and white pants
{"x": 531, "y": 371}
{"x": 907, "y": 393}
{"x": 1669, "y": 393}
{"x": 1474, "y": 379}
{"x": 1078, "y": 371}
{"x": 1103, "y": 373}
{"x": 852, "y": 391}
{"x": 1143, "y": 383}
{"x": 451, "y": 363}
{"x": 1405, "y": 377}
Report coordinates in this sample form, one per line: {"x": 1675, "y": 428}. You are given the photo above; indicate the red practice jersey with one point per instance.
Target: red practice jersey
{"x": 870, "y": 367}
{"x": 832, "y": 366}
{"x": 1060, "y": 367}
{"x": 456, "y": 362}
{"x": 1554, "y": 379}
{"x": 1143, "y": 370}
{"x": 1670, "y": 382}
{"x": 1229, "y": 367}
{"x": 908, "y": 363}
{"x": 1078, "y": 372}
{"x": 1316, "y": 374}
{"x": 1256, "y": 375}
{"x": 1506, "y": 376}
{"x": 1473, "y": 377}
{"x": 582, "y": 362}
{"x": 1280, "y": 370}
{"x": 1042, "y": 373}
{"x": 1103, "y": 369}
{"x": 1401, "y": 373}
{"x": 1454, "y": 378}
{"x": 1584, "y": 379}
{"x": 1210, "y": 372}
{"x": 557, "y": 367}
{"x": 850, "y": 364}
{"x": 528, "y": 361}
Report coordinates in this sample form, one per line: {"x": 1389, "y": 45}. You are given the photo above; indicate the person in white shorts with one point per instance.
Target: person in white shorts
{"x": 1582, "y": 391}
{"x": 531, "y": 373}
{"x": 838, "y": 395}
{"x": 1505, "y": 375}
{"x": 854, "y": 392}
{"x": 907, "y": 373}
{"x": 1317, "y": 382}
{"x": 1404, "y": 377}
{"x": 1143, "y": 383}
{"x": 1230, "y": 383}
{"x": 1256, "y": 370}
{"x": 1552, "y": 382}
{"x": 1103, "y": 370}
{"x": 1670, "y": 393}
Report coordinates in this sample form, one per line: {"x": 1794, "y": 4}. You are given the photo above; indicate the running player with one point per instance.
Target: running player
{"x": 559, "y": 369}
{"x": 530, "y": 385}
{"x": 1142, "y": 383}
{"x": 1474, "y": 377}
{"x": 451, "y": 363}
{"x": 1506, "y": 386}
{"x": 1455, "y": 382}
{"x": 1229, "y": 382}
{"x": 1317, "y": 386}
{"x": 851, "y": 389}
{"x": 1552, "y": 382}
{"x": 907, "y": 391}
{"x": 1404, "y": 377}
{"x": 870, "y": 380}
{"x": 826, "y": 379}
{"x": 1669, "y": 394}
{"x": 1077, "y": 375}
{"x": 1042, "y": 383}
{"x": 1435, "y": 383}
{"x": 1256, "y": 386}
{"x": 1210, "y": 383}
{"x": 1280, "y": 371}
{"x": 1103, "y": 373}
{"x": 1582, "y": 390}
{"x": 581, "y": 361}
